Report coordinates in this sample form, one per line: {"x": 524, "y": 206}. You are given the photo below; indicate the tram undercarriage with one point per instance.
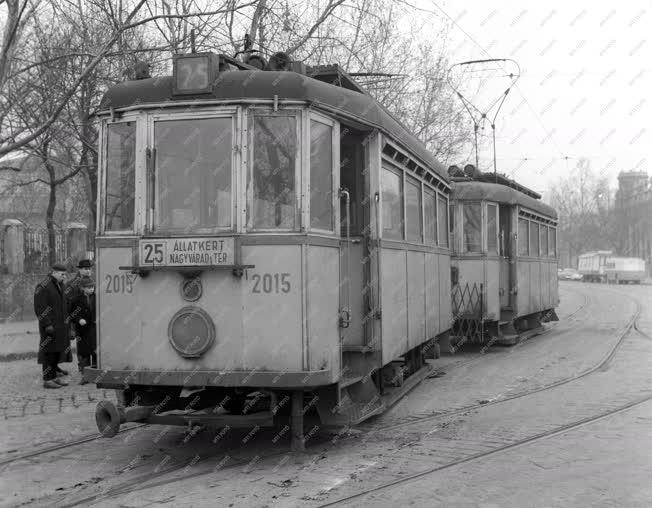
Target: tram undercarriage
{"x": 506, "y": 333}
{"x": 349, "y": 402}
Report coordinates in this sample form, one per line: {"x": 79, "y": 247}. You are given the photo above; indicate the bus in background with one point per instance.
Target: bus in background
{"x": 621, "y": 270}
{"x": 592, "y": 265}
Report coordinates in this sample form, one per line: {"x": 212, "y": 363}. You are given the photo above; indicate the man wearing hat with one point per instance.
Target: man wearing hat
{"x": 51, "y": 310}
{"x": 73, "y": 288}
{"x": 73, "y": 293}
{"x": 82, "y": 315}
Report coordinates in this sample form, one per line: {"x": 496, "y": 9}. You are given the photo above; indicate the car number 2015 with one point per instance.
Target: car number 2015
{"x": 271, "y": 283}
{"x": 121, "y": 283}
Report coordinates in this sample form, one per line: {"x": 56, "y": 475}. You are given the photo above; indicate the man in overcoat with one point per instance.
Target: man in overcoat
{"x": 51, "y": 309}
{"x": 82, "y": 315}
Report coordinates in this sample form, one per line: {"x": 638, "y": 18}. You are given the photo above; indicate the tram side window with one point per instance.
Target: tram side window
{"x": 543, "y": 240}
{"x": 120, "y": 176}
{"x": 321, "y": 176}
{"x": 392, "y": 196}
{"x": 472, "y": 227}
{"x": 193, "y": 180}
{"x": 534, "y": 239}
{"x": 451, "y": 222}
{"x": 492, "y": 229}
{"x": 413, "y": 210}
{"x": 271, "y": 189}
{"x": 442, "y": 218}
{"x": 552, "y": 242}
{"x": 523, "y": 237}
{"x": 430, "y": 215}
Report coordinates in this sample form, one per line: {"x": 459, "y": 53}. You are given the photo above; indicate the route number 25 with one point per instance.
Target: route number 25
{"x": 271, "y": 283}
{"x": 153, "y": 252}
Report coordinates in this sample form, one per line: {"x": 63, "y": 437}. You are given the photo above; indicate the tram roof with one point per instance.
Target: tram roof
{"x": 469, "y": 191}
{"x": 248, "y": 85}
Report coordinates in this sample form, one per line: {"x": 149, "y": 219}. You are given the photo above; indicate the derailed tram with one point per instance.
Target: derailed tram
{"x": 266, "y": 239}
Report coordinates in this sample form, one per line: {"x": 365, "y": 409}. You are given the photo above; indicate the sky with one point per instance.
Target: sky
{"x": 586, "y": 73}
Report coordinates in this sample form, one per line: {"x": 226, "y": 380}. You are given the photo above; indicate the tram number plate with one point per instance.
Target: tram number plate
{"x": 187, "y": 252}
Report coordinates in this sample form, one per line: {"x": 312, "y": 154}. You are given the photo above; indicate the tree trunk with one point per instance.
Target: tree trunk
{"x": 49, "y": 215}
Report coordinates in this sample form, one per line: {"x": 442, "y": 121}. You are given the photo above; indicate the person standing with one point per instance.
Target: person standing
{"x": 72, "y": 292}
{"x": 51, "y": 310}
{"x": 84, "y": 272}
{"x": 82, "y": 315}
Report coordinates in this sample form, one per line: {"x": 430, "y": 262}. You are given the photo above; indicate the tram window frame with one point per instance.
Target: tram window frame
{"x": 451, "y": 226}
{"x": 430, "y": 229}
{"x": 299, "y": 219}
{"x": 523, "y": 249}
{"x": 415, "y": 183}
{"x": 335, "y": 184}
{"x": 392, "y": 233}
{"x": 534, "y": 239}
{"x": 493, "y": 252}
{"x": 468, "y": 248}
{"x": 104, "y": 180}
{"x": 444, "y": 224}
{"x": 543, "y": 238}
{"x": 552, "y": 241}
{"x": 152, "y": 222}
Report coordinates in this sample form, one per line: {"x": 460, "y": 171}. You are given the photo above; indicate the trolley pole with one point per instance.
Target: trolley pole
{"x": 298, "y": 443}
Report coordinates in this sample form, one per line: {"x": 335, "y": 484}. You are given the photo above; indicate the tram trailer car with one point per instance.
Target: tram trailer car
{"x": 592, "y": 265}
{"x": 504, "y": 243}
{"x": 622, "y": 270}
{"x": 262, "y": 239}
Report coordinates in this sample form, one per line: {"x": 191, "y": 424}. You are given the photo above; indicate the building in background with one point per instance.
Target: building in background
{"x": 633, "y": 212}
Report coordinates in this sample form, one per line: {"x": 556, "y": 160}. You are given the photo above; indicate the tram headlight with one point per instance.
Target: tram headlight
{"x": 191, "y": 332}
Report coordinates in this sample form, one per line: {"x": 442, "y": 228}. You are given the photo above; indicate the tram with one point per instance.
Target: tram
{"x": 504, "y": 243}
{"x": 268, "y": 235}
{"x": 592, "y": 265}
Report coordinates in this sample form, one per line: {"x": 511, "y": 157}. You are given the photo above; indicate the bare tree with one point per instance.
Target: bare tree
{"x": 584, "y": 222}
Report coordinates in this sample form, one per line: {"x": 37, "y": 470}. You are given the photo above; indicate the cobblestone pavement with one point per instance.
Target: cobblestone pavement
{"x": 232, "y": 471}
{"x": 22, "y": 393}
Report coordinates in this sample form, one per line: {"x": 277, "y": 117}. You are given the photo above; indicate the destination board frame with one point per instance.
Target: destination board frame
{"x": 185, "y": 252}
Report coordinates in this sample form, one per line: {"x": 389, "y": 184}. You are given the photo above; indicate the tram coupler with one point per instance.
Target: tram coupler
{"x": 109, "y": 417}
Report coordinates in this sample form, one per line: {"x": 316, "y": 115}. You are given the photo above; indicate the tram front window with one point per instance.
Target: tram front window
{"x": 120, "y": 177}
{"x": 193, "y": 174}
{"x": 472, "y": 227}
{"x": 271, "y": 189}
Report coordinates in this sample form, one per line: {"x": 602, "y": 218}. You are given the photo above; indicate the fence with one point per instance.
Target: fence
{"x": 26, "y": 249}
{"x": 25, "y": 259}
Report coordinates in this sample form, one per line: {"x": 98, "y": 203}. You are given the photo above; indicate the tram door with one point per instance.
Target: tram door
{"x": 505, "y": 241}
{"x": 353, "y": 252}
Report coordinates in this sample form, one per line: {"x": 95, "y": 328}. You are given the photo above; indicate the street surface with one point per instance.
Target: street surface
{"x": 562, "y": 419}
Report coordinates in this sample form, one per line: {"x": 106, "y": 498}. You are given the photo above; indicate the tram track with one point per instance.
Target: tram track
{"x": 145, "y": 481}
{"x": 478, "y": 456}
{"x": 606, "y": 359}
{"x": 466, "y": 458}
{"x": 157, "y": 478}
{"x": 480, "y": 356}
{"x": 62, "y": 446}
{"x": 148, "y": 480}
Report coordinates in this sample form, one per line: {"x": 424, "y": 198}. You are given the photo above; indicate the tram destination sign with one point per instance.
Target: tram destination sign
{"x": 209, "y": 251}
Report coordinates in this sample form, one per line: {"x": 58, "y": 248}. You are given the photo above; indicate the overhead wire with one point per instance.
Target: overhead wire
{"x": 549, "y": 133}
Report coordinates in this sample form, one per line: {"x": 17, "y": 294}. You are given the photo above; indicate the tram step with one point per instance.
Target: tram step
{"x": 357, "y": 412}
{"x": 352, "y": 348}
{"x": 348, "y": 381}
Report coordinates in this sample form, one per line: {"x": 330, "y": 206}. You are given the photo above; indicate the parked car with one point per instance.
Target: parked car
{"x": 569, "y": 274}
